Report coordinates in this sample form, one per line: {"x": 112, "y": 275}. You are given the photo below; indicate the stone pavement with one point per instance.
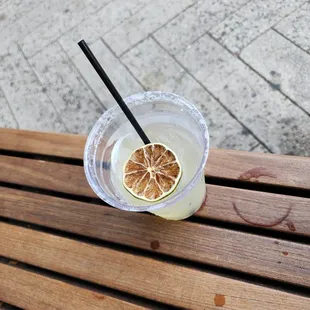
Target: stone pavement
{"x": 244, "y": 63}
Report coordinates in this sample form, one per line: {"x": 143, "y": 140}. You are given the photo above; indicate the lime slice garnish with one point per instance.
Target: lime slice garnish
{"x": 152, "y": 172}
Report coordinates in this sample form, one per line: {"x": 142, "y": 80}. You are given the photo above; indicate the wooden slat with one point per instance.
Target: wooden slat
{"x": 172, "y": 284}
{"x": 267, "y": 210}
{"x": 43, "y": 143}
{"x": 254, "y": 206}
{"x": 269, "y": 257}
{"x": 33, "y": 291}
{"x": 291, "y": 171}
{"x": 46, "y": 175}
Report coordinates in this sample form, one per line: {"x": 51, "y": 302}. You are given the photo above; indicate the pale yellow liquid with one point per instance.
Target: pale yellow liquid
{"x": 189, "y": 153}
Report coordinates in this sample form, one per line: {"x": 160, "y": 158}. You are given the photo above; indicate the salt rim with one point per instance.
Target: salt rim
{"x": 136, "y": 100}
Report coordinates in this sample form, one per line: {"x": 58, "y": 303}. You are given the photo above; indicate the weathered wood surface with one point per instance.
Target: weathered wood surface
{"x": 289, "y": 171}
{"x": 42, "y": 143}
{"x": 282, "y": 170}
{"x": 269, "y": 257}
{"x": 255, "y": 208}
{"x": 195, "y": 241}
{"x": 142, "y": 276}
{"x": 45, "y": 175}
{"x": 273, "y": 211}
{"x": 29, "y": 290}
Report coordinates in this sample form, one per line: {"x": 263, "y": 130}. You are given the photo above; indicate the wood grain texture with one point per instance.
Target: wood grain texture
{"x": 33, "y": 291}
{"x": 46, "y": 175}
{"x": 200, "y": 243}
{"x": 290, "y": 171}
{"x": 43, "y": 143}
{"x": 267, "y": 210}
{"x": 172, "y": 284}
{"x": 255, "y": 206}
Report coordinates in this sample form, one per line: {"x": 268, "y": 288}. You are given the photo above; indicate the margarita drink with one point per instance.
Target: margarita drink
{"x": 166, "y": 119}
{"x": 188, "y": 152}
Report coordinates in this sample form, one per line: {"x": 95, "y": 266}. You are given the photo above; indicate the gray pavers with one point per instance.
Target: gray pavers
{"x": 75, "y": 102}
{"x": 148, "y": 60}
{"x": 264, "y": 110}
{"x": 296, "y": 27}
{"x": 123, "y": 80}
{"x": 28, "y": 100}
{"x": 253, "y": 19}
{"x": 195, "y": 21}
{"x": 244, "y": 63}
{"x": 283, "y": 64}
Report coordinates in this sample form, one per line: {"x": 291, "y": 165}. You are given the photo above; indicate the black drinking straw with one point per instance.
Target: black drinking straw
{"x": 104, "y": 77}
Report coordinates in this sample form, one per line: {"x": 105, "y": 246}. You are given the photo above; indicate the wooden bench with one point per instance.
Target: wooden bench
{"x": 61, "y": 247}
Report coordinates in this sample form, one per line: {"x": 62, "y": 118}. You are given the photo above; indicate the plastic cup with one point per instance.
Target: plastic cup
{"x": 150, "y": 109}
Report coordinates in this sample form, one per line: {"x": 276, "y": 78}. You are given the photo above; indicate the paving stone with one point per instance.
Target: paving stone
{"x": 30, "y": 21}
{"x": 37, "y": 25}
{"x": 69, "y": 15}
{"x": 265, "y": 111}
{"x": 32, "y": 107}
{"x": 296, "y": 27}
{"x": 6, "y": 116}
{"x": 143, "y": 23}
{"x": 156, "y": 70}
{"x": 77, "y": 105}
{"x": 100, "y": 23}
{"x": 13, "y": 10}
{"x": 239, "y": 29}
{"x": 286, "y": 66}
{"x": 194, "y": 22}
{"x": 4, "y": 4}
{"x": 260, "y": 149}
{"x": 123, "y": 80}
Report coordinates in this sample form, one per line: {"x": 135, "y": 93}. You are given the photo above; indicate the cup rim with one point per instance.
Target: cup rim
{"x": 137, "y": 100}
